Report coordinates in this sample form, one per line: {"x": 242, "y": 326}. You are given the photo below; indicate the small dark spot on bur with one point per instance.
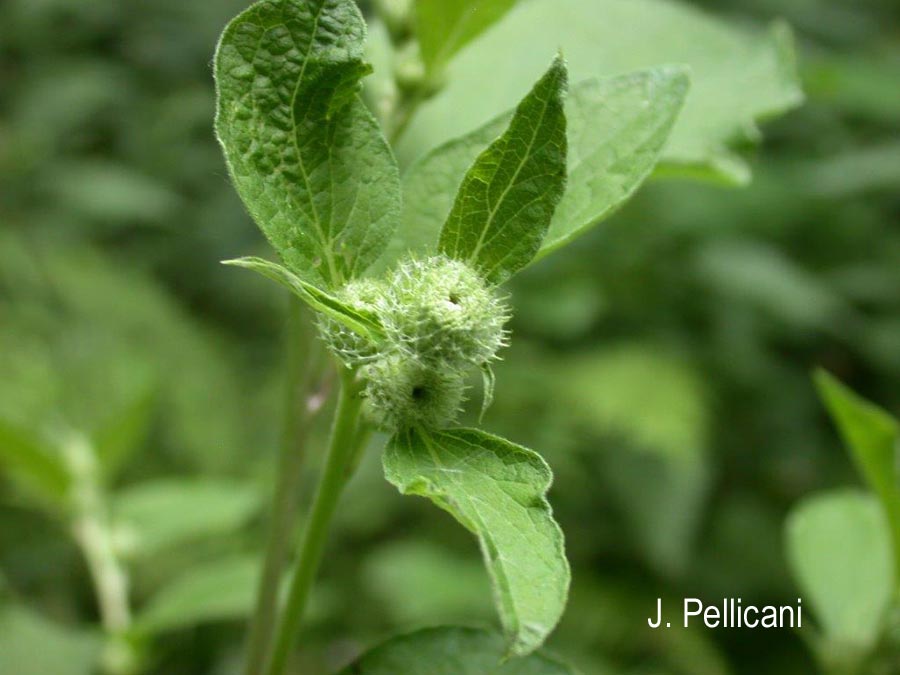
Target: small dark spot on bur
{"x": 418, "y": 392}
{"x": 454, "y": 298}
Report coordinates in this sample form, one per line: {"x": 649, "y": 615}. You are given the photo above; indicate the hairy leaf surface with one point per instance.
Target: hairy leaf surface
{"x": 305, "y": 154}
{"x": 497, "y": 490}
{"x": 507, "y": 197}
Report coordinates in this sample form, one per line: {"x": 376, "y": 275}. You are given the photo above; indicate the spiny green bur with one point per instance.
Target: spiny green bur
{"x": 440, "y": 319}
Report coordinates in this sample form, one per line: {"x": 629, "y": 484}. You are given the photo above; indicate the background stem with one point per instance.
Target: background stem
{"x": 341, "y": 452}
{"x": 92, "y": 531}
{"x": 306, "y": 391}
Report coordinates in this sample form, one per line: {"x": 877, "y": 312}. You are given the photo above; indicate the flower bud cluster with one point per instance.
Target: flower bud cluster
{"x": 440, "y": 319}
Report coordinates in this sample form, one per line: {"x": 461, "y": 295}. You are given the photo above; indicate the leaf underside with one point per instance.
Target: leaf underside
{"x": 508, "y": 196}
{"x": 305, "y": 154}
{"x": 450, "y": 650}
{"x": 497, "y": 490}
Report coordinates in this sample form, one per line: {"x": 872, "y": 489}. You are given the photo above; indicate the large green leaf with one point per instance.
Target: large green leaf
{"x": 305, "y": 154}
{"x": 839, "y": 549}
{"x": 450, "y": 651}
{"x": 443, "y": 27}
{"x": 160, "y": 514}
{"x": 507, "y": 198}
{"x": 872, "y": 437}
{"x": 738, "y": 77}
{"x": 616, "y": 130}
{"x": 497, "y": 490}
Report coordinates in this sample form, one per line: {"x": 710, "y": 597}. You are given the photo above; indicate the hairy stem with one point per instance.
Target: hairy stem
{"x": 306, "y": 391}
{"x": 342, "y": 452}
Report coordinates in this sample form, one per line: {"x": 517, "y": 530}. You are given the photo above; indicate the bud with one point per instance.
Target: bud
{"x": 401, "y": 392}
{"x": 442, "y": 311}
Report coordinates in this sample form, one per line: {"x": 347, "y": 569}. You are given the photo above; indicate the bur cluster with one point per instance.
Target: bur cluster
{"x": 439, "y": 320}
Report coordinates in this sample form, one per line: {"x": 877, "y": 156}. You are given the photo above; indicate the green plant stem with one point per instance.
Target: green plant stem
{"x": 342, "y": 451}
{"x": 306, "y": 391}
{"x": 91, "y": 528}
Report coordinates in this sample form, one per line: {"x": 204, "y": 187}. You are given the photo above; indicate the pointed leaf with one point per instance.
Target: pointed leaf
{"x": 839, "y": 549}
{"x": 497, "y": 490}
{"x": 617, "y": 128}
{"x": 305, "y": 154}
{"x": 450, "y": 650}
{"x": 443, "y": 27}
{"x": 359, "y": 321}
{"x": 872, "y": 437}
{"x": 508, "y": 196}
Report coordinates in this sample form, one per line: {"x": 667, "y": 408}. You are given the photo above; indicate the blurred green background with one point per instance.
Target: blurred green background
{"x": 661, "y": 364}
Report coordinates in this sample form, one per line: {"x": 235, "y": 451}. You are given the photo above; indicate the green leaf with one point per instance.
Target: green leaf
{"x": 156, "y": 515}
{"x": 32, "y": 645}
{"x": 28, "y": 461}
{"x": 508, "y": 196}
{"x": 839, "y": 550}
{"x": 738, "y": 77}
{"x": 443, "y": 27}
{"x": 450, "y": 650}
{"x": 616, "y": 130}
{"x": 125, "y": 431}
{"x": 872, "y": 437}
{"x": 219, "y": 591}
{"x": 305, "y": 154}
{"x": 497, "y": 490}
{"x": 359, "y": 321}
{"x": 449, "y": 587}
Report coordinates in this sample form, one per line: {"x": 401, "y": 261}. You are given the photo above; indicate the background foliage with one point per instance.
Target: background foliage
{"x": 662, "y": 363}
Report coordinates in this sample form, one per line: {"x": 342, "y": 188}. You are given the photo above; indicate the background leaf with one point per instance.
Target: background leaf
{"x": 160, "y": 514}
{"x": 872, "y": 437}
{"x": 508, "y": 196}
{"x": 616, "y": 128}
{"x": 32, "y": 645}
{"x": 29, "y": 462}
{"x": 450, "y": 651}
{"x": 305, "y": 154}
{"x": 496, "y": 489}
{"x": 839, "y": 548}
{"x": 443, "y": 27}
{"x": 737, "y": 77}
{"x": 218, "y": 591}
